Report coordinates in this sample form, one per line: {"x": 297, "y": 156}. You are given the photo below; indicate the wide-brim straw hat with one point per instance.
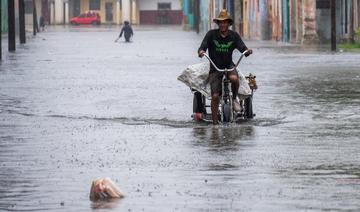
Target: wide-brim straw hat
{"x": 224, "y": 15}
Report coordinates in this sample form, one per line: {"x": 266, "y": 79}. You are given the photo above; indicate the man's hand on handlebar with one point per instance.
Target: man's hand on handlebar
{"x": 201, "y": 53}
{"x": 249, "y": 52}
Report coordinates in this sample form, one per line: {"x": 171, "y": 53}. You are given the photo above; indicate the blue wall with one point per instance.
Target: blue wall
{"x": 204, "y": 17}
{"x": 188, "y": 12}
{"x": 285, "y": 20}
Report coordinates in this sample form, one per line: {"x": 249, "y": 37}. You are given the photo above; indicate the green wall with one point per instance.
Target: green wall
{"x": 4, "y": 16}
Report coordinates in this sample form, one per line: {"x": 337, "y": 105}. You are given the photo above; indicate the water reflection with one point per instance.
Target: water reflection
{"x": 342, "y": 171}
{"x": 106, "y": 204}
{"x": 223, "y": 136}
{"x": 224, "y": 145}
{"x": 336, "y": 87}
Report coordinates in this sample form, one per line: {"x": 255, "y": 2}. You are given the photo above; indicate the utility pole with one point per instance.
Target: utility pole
{"x": 333, "y": 24}
{"x": 22, "y": 21}
{"x": 11, "y": 25}
{"x": 351, "y": 26}
{"x": 35, "y": 25}
{"x": 224, "y": 4}
{"x": 197, "y": 16}
{"x": 232, "y": 13}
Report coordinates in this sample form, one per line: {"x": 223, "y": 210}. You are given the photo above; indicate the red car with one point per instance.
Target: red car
{"x": 86, "y": 18}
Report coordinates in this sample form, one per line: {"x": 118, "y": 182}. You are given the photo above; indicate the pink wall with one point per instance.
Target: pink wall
{"x": 161, "y": 17}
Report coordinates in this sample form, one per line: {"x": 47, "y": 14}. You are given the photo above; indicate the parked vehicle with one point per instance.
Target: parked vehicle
{"x": 87, "y": 18}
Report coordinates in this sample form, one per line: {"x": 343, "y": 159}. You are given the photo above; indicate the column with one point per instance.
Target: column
{"x": 264, "y": 21}
{"x": 310, "y": 35}
{"x": 133, "y": 11}
{"x": 67, "y": 18}
{"x": 117, "y": 9}
{"x": 59, "y": 12}
{"x": 22, "y": 21}
{"x": 11, "y": 26}
{"x": 299, "y": 21}
{"x": 52, "y": 12}
{"x": 126, "y": 9}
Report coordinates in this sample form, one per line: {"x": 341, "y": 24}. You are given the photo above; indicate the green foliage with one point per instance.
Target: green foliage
{"x": 358, "y": 34}
{"x": 350, "y": 46}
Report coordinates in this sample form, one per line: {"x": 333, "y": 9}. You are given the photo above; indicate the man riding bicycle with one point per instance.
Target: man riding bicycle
{"x": 221, "y": 44}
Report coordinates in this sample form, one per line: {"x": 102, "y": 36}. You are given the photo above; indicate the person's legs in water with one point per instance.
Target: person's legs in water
{"x": 215, "y": 79}
{"x": 215, "y": 99}
{"x": 234, "y": 78}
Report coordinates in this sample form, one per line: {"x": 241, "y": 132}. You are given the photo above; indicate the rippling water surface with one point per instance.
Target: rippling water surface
{"x": 75, "y": 106}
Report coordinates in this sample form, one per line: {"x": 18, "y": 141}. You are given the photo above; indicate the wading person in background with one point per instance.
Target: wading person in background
{"x": 127, "y": 31}
{"x": 42, "y": 23}
{"x": 221, "y": 43}
{"x": 103, "y": 189}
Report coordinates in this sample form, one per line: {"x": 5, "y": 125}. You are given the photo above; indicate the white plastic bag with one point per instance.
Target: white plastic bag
{"x": 196, "y": 77}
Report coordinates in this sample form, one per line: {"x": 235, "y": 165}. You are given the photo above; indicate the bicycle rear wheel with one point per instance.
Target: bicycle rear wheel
{"x": 198, "y": 103}
{"x": 226, "y": 112}
{"x": 248, "y": 108}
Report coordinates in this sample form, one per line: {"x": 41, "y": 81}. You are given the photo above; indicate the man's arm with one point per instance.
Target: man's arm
{"x": 122, "y": 31}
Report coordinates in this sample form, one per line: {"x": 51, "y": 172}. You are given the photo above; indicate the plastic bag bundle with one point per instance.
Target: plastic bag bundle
{"x": 196, "y": 77}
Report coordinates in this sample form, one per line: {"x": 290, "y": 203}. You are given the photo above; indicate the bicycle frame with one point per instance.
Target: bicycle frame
{"x": 226, "y": 99}
{"x": 227, "y": 70}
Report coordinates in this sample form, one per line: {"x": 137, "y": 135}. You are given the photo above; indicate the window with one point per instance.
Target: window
{"x": 94, "y": 5}
{"x": 28, "y": 5}
{"x": 164, "y": 6}
{"x": 322, "y": 4}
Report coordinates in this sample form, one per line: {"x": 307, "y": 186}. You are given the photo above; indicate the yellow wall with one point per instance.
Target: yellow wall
{"x": 102, "y": 11}
{"x": 117, "y": 13}
{"x": 246, "y": 11}
{"x": 114, "y": 12}
{"x": 84, "y": 5}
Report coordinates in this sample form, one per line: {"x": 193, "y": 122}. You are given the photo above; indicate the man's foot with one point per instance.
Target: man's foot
{"x": 236, "y": 105}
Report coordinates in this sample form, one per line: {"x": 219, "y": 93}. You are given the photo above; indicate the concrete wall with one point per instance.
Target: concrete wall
{"x": 323, "y": 22}
{"x": 29, "y": 16}
{"x": 323, "y": 19}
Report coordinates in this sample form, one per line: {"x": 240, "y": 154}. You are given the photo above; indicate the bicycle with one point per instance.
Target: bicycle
{"x": 226, "y": 112}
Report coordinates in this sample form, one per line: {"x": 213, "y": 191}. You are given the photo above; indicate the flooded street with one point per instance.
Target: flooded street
{"x": 76, "y": 106}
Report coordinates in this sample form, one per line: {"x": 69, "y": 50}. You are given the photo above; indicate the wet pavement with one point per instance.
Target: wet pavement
{"x": 75, "y": 106}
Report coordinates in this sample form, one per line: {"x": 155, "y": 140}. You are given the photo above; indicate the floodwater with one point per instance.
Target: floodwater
{"x": 76, "y": 106}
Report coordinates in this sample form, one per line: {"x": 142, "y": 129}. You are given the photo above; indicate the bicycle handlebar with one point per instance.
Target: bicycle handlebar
{"x": 225, "y": 70}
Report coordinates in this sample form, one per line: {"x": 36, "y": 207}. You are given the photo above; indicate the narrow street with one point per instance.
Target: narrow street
{"x": 76, "y": 106}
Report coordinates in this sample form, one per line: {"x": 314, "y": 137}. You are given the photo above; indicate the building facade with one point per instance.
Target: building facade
{"x": 295, "y": 21}
{"x": 118, "y": 11}
{"x": 160, "y": 12}
{"x": 110, "y": 11}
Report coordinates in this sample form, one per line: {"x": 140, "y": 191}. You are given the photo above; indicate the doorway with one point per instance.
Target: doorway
{"x": 109, "y": 11}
